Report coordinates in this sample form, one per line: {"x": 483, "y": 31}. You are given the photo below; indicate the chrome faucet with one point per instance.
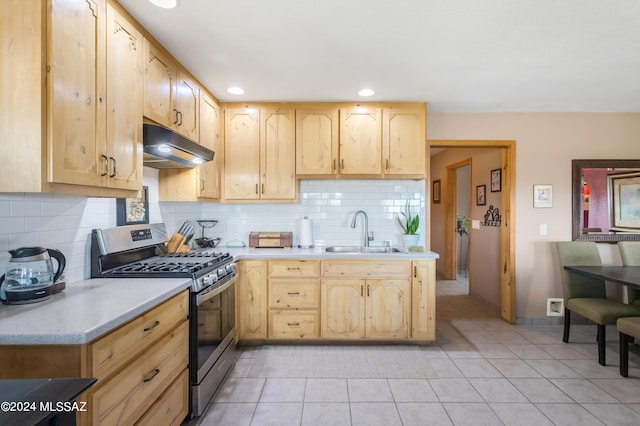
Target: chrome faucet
{"x": 366, "y": 238}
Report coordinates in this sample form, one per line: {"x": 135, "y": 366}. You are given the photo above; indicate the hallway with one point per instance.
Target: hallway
{"x": 480, "y": 371}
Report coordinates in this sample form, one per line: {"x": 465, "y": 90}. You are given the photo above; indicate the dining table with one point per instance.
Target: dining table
{"x": 626, "y": 275}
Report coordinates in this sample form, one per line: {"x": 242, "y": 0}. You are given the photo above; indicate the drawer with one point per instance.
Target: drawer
{"x": 293, "y": 324}
{"x": 127, "y": 395}
{"x": 366, "y": 268}
{"x": 172, "y": 407}
{"x": 293, "y": 268}
{"x": 296, "y": 294}
{"x": 112, "y": 351}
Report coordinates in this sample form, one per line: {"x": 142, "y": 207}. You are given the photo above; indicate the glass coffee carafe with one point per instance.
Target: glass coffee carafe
{"x": 30, "y": 275}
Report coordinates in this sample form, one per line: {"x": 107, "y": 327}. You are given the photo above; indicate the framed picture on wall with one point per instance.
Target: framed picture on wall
{"x": 481, "y": 195}
{"x": 542, "y": 196}
{"x": 435, "y": 192}
{"x": 625, "y": 202}
{"x": 133, "y": 211}
{"x": 496, "y": 180}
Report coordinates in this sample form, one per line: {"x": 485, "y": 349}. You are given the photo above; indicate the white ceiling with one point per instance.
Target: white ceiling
{"x": 458, "y": 55}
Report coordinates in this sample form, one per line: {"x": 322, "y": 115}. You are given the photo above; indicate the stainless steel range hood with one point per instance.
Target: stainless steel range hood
{"x": 166, "y": 149}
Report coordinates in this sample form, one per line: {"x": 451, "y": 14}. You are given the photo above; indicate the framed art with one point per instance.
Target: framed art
{"x": 496, "y": 180}
{"x": 542, "y": 196}
{"x": 625, "y": 202}
{"x": 133, "y": 211}
{"x": 435, "y": 192}
{"x": 481, "y": 195}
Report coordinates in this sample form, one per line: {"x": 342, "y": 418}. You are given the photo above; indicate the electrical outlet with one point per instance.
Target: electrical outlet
{"x": 475, "y": 224}
{"x": 543, "y": 229}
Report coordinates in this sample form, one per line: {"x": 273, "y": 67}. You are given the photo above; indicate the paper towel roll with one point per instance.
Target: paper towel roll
{"x": 305, "y": 239}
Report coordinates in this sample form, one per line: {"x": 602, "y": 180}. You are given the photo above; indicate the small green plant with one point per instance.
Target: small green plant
{"x": 410, "y": 223}
{"x": 462, "y": 225}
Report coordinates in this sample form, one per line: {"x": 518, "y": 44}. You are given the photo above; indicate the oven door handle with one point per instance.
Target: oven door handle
{"x": 200, "y": 299}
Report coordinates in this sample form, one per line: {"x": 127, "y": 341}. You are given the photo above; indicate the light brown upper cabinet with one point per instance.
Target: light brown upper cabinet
{"x": 360, "y": 141}
{"x": 171, "y": 97}
{"x": 368, "y": 141}
{"x": 259, "y": 153}
{"x": 187, "y": 107}
{"x": 403, "y": 140}
{"x": 77, "y": 131}
{"x": 317, "y": 141}
{"x": 209, "y": 173}
{"x": 160, "y": 75}
{"x": 124, "y": 101}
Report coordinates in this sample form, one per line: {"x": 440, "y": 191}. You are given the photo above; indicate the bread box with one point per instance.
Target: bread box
{"x": 270, "y": 239}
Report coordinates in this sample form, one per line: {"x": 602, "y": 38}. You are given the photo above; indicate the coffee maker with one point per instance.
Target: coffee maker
{"x": 30, "y": 275}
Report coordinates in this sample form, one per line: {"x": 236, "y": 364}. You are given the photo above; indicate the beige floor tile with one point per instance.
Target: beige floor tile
{"x": 613, "y": 414}
{"x": 326, "y": 413}
{"x": 421, "y": 414}
{"x": 568, "y": 414}
{"x": 375, "y": 414}
{"x": 521, "y": 414}
{"x": 326, "y": 390}
{"x": 476, "y": 368}
{"x": 553, "y": 369}
{"x": 283, "y": 390}
{"x": 624, "y": 390}
{"x": 541, "y": 391}
{"x": 412, "y": 390}
{"x": 454, "y": 390}
{"x": 228, "y": 414}
{"x": 497, "y": 390}
{"x": 277, "y": 414}
{"x": 583, "y": 391}
{"x": 514, "y": 368}
{"x": 240, "y": 390}
{"x": 369, "y": 390}
{"x": 472, "y": 414}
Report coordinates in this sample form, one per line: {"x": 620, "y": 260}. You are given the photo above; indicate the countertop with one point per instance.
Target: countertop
{"x": 318, "y": 253}
{"x": 84, "y": 310}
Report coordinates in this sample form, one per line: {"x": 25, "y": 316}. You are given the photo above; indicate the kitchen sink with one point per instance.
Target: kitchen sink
{"x": 358, "y": 249}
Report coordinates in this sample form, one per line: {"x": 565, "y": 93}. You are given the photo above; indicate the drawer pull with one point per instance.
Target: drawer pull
{"x": 293, "y": 324}
{"x": 294, "y": 293}
{"x": 155, "y": 324}
{"x": 293, "y": 268}
{"x": 415, "y": 272}
{"x": 149, "y": 377}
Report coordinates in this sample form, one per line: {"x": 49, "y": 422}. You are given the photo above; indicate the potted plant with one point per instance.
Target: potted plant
{"x": 409, "y": 225}
{"x": 462, "y": 228}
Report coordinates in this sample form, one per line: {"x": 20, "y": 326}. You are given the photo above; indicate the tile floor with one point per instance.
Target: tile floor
{"x": 480, "y": 371}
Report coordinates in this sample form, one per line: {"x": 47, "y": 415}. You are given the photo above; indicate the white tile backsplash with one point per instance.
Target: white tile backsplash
{"x": 64, "y": 222}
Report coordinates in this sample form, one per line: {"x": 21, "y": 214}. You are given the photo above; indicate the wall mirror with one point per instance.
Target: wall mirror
{"x": 606, "y": 200}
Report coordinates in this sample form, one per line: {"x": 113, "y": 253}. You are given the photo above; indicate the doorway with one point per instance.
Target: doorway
{"x": 507, "y": 226}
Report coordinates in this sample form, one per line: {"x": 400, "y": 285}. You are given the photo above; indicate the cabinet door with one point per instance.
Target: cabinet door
{"x": 241, "y": 153}
{"x": 317, "y": 142}
{"x": 342, "y": 312}
{"x": 188, "y": 107}
{"x": 76, "y": 91}
{"x": 159, "y": 86}
{"x": 423, "y": 308}
{"x": 388, "y": 304}
{"x": 278, "y": 158}
{"x": 209, "y": 172}
{"x": 252, "y": 303}
{"x": 404, "y": 141}
{"x": 124, "y": 102}
{"x": 360, "y": 141}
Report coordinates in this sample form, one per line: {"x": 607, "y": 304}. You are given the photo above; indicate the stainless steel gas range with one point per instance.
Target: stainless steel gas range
{"x": 138, "y": 251}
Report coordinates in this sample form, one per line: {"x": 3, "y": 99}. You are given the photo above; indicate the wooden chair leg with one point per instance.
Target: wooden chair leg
{"x": 567, "y": 324}
{"x": 602, "y": 344}
{"x": 624, "y": 355}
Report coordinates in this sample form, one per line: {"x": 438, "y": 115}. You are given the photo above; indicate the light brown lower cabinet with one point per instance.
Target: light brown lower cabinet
{"x": 315, "y": 299}
{"x": 141, "y": 368}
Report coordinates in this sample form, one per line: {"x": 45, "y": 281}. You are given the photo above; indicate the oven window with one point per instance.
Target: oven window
{"x": 216, "y": 318}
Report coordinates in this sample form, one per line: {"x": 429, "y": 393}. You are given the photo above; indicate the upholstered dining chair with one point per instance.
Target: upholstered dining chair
{"x": 587, "y": 296}
{"x": 629, "y": 328}
{"x": 630, "y": 254}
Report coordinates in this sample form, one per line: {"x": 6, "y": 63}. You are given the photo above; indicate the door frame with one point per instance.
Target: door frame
{"x": 507, "y": 228}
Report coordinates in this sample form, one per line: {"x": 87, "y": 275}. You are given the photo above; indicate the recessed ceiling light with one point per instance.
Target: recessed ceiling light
{"x": 165, "y": 4}
{"x": 235, "y": 90}
{"x": 366, "y": 92}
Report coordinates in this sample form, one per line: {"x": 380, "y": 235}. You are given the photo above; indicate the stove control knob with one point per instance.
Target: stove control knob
{"x": 207, "y": 280}
{"x": 231, "y": 267}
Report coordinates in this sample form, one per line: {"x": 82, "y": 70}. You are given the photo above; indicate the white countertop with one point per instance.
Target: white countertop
{"x": 84, "y": 310}
{"x": 317, "y": 253}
